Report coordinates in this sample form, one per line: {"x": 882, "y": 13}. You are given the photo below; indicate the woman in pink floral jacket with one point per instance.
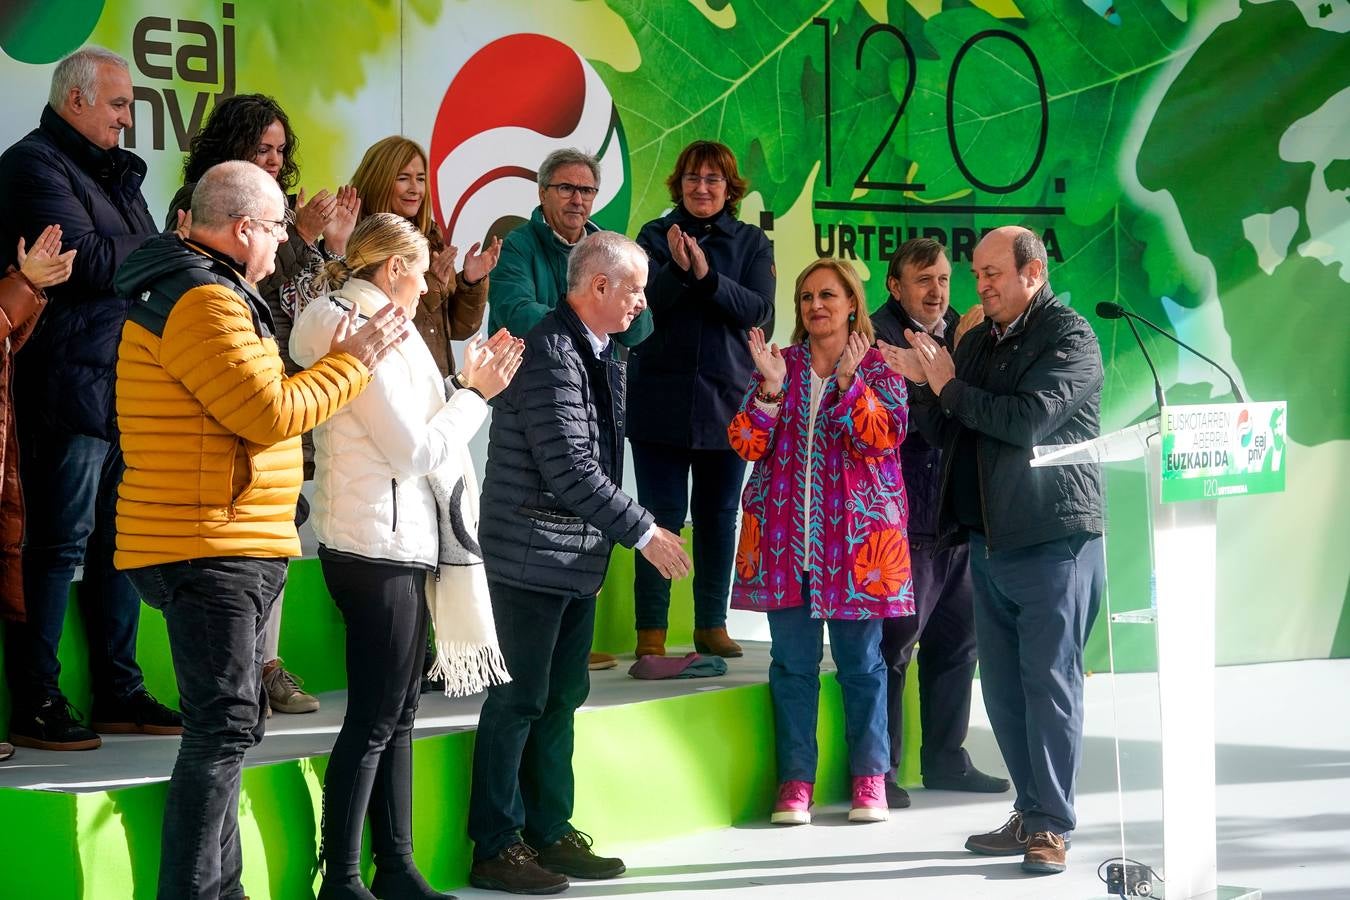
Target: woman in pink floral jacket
{"x": 823, "y": 531}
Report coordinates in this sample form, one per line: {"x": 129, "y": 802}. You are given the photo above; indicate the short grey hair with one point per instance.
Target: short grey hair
{"x": 231, "y": 188}
{"x": 80, "y": 70}
{"x": 567, "y": 156}
{"x": 600, "y": 253}
{"x": 1027, "y": 245}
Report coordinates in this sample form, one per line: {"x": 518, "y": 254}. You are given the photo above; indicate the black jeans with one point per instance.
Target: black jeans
{"x": 522, "y": 756}
{"x": 70, "y": 488}
{"x": 663, "y": 475}
{"x": 215, "y": 610}
{"x": 943, "y": 626}
{"x": 384, "y": 607}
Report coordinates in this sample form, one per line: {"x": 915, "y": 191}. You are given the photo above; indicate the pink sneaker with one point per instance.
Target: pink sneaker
{"x": 794, "y": 804}
{"x": 869, "y": 799}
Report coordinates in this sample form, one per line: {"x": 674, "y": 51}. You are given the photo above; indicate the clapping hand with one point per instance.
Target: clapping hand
{"x": 768, "y": 360}
{"x": 184, "y": 227}
{"x": 311, "y": 217}
{"x": 489, "y": 365}
{"x": 854, "y": 350}
{"x": 340, "y": 224}
{"x": 679, "y": 250}
{"x": 697, "y": 260}
{"x": 903, "y": 361}
{"x": 443, "y": 264}
{"x": 45, "y": 265}
{"x": 374, "y": 340}
{"x": 477, "y": 265}
{"x": 938, "y": 367}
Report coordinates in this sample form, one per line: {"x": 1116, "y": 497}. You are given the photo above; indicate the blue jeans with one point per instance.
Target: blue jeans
{"x": 1033, "y": 609}
{"x": 70, "y": 490}
{"x": 523, "y": 785}
{"x": 794, "y": 682}
{"x": 215, "y": 610}
{"x": 663, "y": 476}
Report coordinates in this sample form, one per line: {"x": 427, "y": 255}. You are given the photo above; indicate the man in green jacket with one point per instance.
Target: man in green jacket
{"x": 531, "y": 276}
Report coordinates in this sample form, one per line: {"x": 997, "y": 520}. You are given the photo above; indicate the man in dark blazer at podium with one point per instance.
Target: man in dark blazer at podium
{"x": 1031, "y": 376}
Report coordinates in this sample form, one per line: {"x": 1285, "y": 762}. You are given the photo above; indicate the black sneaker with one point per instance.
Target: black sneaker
{"x": 52, "y": 726}
{"x": 573, "y": 856}
{"x": 140, "y": 713}
{"x": 515, "y": 871}
{"x": 896, "y": 796}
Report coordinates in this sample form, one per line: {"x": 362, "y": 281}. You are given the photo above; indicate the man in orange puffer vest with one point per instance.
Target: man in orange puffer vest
{"x": 210, "y": 428}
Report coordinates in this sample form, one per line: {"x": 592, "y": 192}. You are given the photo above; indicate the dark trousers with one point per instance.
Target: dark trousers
{"x": 663, "y": 474}
{"x": 943, "y": 626}
{"x": 370, "y": 770}
{"x": 522, "y": 756}
{"x": 215, "y": 610}
{"x": 1033, "y": 608}
{"x": 798, "y": 643}
{"x": 70, "y": 491}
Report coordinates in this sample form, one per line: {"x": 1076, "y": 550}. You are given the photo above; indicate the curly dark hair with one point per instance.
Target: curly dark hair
{"x": 233, "y": 131}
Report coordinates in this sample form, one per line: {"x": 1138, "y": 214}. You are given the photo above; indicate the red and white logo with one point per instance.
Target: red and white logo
{"x": 513, "y": 102}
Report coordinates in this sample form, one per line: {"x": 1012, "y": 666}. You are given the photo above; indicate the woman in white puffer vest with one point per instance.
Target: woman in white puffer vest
{"x": 395, "y": 511}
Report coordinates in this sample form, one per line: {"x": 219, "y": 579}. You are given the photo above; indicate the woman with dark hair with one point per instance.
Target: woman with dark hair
{"x": 823, "y": 541}
{"x": 711, "y": 278}
{"x": 392, "y": 177}
{"x": 254, "y": 128}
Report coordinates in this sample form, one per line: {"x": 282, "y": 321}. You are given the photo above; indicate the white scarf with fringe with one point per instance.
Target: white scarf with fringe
{"x": 468, "y": 656}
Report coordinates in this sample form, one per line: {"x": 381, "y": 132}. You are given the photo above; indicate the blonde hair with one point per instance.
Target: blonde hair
{"x": 378, "y": 172}
{"x": 860, "y": 322}
{"x": 375, "y": 240}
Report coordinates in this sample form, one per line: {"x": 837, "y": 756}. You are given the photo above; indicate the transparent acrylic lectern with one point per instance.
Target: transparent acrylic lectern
{"x": 1183, "y": 550}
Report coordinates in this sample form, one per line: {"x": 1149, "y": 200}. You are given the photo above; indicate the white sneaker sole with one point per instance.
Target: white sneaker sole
{"x": 791, "y": 817}
{"x": 869, "y": 814}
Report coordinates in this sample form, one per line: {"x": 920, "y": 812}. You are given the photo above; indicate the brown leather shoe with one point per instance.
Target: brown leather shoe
{"x": 602, "y": 661}
{"x": 573, "y": 856}
{"x": 1010, "y": 840}
{"x": 650, "y": 642}
{"x": 516, "y": 871}
{"x": 1045, "y": 854}
{"x": 716, "y": 642}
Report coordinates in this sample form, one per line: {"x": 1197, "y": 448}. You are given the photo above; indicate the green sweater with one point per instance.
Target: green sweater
{"x": 531, "y": 277}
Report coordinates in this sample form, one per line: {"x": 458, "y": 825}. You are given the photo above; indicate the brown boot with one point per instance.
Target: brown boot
{"x": 1045, "y": 854}
{"x": 601, "y": 661}
{"x": 716, "y": 642}
{"x": 650, "y": 642}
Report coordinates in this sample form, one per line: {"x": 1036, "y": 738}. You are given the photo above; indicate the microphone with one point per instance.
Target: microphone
{"x": 1116, "y": 311}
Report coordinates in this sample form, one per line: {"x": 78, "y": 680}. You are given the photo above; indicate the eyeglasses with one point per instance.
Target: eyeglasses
{"x": 712, "y": 181}
{"x": 275, "y": 227}
{"x": 566, "y": 190}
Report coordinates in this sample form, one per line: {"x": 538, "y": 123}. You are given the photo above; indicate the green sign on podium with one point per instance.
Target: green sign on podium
{"x": 1222, "y": 450}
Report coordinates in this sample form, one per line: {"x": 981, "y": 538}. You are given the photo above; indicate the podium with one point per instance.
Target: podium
{"x": 1192, "y": 457}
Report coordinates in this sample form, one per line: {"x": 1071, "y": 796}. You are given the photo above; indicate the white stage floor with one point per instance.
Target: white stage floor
{"x": 1283, "y": 801}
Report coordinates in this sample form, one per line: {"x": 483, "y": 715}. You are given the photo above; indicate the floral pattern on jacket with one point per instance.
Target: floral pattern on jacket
{"x": 860, "y": 564}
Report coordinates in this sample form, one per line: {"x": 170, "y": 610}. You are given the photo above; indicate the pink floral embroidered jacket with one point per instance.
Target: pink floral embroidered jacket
{"x": 860, "y": 566}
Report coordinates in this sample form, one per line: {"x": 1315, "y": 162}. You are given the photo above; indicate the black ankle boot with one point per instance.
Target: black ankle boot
{"x": 344, "y": 888}
{"x": 404, "y": 882}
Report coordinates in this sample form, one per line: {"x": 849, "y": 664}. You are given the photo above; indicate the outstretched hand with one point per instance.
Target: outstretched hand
{"x": 665, "y": 551}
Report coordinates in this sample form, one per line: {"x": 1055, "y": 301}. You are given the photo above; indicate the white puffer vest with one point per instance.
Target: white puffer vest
{"x": 371, "y": 494}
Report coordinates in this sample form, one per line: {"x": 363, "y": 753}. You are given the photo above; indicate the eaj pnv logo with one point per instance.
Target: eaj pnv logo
{"x": 515, "y": 101}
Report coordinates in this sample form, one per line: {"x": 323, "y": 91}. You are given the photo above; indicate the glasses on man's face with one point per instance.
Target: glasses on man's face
{"x": 694, "y": 180}
{"x": 567, "y": 191}
{"x": 275, "y": 227}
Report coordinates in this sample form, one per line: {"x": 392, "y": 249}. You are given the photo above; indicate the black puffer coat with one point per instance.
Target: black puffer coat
{"x": 552, "y": 505}
{"x": 920, "y": 461}
{"x": 1041, "y": 384}
{"x": 56, "y": 176}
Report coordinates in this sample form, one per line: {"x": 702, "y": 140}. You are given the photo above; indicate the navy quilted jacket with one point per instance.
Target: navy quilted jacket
{"x": 54, "y": 175}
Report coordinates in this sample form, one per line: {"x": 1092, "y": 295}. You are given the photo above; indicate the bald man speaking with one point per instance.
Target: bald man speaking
{"x": 1031, "y": 374}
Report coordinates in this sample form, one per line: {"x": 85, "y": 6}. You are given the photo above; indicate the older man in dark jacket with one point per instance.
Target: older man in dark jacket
{"x": 553, "y": 509}
{"x": 1033, "y": 376}
{"x": 70, "y": 171}
{"x": 943, "y": 624}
